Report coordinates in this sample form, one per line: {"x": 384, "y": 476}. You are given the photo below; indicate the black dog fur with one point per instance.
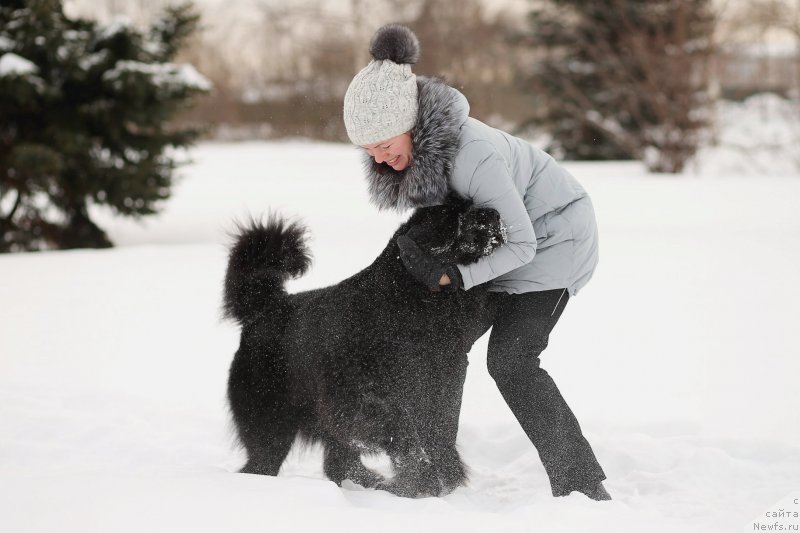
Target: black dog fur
{"x": 374, "y": 363}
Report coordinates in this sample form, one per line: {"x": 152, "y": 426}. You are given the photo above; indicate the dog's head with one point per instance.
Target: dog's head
{"x": 457, "y": 232}
{"x": 480, "y": 231}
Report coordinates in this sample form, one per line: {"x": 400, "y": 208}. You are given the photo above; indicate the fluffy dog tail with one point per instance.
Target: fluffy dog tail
{"x": 262, "y": 257}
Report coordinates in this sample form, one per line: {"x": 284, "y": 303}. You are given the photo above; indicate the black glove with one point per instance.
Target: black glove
{"x": 425, "y": 268}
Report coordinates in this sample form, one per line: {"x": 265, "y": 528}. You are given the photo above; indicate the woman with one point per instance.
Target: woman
{"x": 420, "y": 145}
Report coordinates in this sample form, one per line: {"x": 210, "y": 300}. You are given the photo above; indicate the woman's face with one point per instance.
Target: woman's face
{"x": 395, "y": 152}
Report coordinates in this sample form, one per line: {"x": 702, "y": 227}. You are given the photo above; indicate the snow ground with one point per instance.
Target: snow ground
{"x": 680, "y": 360}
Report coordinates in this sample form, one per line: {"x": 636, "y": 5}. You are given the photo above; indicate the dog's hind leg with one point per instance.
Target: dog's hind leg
{"x": 266, "y": 450}
{"x": 266, "y": 423}
{"x": 342, "y": 463}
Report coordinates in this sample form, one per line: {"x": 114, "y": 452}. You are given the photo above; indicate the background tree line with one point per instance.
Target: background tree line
{"x": 608, "y": 79}
{"x": 90, "y": 104}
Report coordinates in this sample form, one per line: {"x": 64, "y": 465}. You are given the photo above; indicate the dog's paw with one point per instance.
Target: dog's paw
{"x": 420, "y": 484}
{"x": 349, "y": 484}
{"x": 366, "y": 478}
{"x": 404, "y": 490}
{"x": 254, "y": 467}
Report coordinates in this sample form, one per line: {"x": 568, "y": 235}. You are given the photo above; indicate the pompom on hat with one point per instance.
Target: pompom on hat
{"x": 381, "y": 101}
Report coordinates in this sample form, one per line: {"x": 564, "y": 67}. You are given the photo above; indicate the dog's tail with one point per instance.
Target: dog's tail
{"x": 262, "y": 257}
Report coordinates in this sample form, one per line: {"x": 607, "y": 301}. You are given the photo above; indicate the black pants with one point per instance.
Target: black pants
{"x": 521, "y": 327}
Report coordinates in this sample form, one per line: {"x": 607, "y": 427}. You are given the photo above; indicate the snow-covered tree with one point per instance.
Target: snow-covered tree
{"x": 85, "y": 114}
{"x": 622, "y": 78}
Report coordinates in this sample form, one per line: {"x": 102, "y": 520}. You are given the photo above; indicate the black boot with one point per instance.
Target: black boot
{"x": 595, "y": 491}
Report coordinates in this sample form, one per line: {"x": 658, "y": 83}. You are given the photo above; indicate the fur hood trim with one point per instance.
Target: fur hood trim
{"x": 434, "y": 141}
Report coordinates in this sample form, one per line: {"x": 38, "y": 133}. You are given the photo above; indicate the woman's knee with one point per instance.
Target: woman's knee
{"x": 506, "y": 360}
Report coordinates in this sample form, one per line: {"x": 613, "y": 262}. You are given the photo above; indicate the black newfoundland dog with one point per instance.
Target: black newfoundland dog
{"x": 374, "y": 363}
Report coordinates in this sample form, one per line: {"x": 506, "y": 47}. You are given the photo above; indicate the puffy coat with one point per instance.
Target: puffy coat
{"x": 552, "y": 231}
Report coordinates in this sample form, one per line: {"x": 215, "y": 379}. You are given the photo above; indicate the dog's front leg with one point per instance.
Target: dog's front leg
{"x": 439, "y": 427}
{"x": 374, "y": 423}
{"x": 344, "y": 462}
{"x": 416, "y": 474}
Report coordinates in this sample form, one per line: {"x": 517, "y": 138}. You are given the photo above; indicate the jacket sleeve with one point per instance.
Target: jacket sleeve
{"x": 481, "y": 174}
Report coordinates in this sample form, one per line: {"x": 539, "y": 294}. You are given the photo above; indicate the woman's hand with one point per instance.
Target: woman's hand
{"x": 427, "y": 270}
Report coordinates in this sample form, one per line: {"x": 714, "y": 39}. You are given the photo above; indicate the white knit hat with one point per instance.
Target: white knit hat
{"x": 381, "y": 101}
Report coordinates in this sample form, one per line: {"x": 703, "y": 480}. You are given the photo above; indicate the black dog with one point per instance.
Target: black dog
{"x": 374, "y": 363}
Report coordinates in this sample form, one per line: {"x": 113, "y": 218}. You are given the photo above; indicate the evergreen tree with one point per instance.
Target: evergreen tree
{"x": 84, "y": 119}
{"x": 622, "y": 79}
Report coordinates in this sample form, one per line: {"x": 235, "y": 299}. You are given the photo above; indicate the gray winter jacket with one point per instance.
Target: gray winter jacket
{"x": 552, "y": 232}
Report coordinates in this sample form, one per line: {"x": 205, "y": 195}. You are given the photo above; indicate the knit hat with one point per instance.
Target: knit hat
{"x": 381, "y": 101}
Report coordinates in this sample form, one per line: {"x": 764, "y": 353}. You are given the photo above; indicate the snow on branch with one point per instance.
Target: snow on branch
{"x": 163, "y": 75}
{"x": 14, "y": 65}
